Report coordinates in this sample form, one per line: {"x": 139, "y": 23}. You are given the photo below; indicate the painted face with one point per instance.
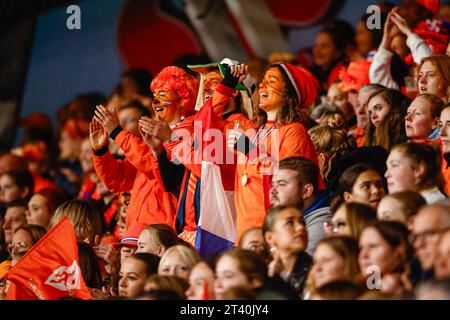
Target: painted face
{"x": 289, "y": 233}
{"x": 390, "y": 209}
{"x": 254, "y": 241}
{"x": 328, "y": 265}
{"x": 271, "y": 90}
{"x": 228, "y": 275}
{"x": 14, "y": 218}
{"x": 147, "y": 243}
{"x": 132, "y": 277}
{"x": 9, "y": 190}
{"x": 324, "y": 51}
{"x": 173, "y": 264}
{"x": 85, "y": 156}
{"x": 429, "y": 81}
{"x": 21, "y": 243}
{"x": 363, "y": 39}
{"x": 375, "y": 251}
{"x": 368, "y": 188}
{"x": 38, "y": 212}
{"x": 166, "y": 105}
{"x": 362, "y": 115}
{"x": 211, "y": 81}
{"x": 378, "y": 110}
{"x": 129, "y": 118}
{"x": 400, "y": 173}
{"x": 444, "y": 132}
{"x": 340, "y": 223}
{"x": 419, "y": 121}
{"x": 201, "y": 283}
{"x": 286, "y": 190}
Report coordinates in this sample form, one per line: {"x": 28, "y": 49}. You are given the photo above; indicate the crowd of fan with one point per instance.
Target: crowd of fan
{"x": 365, "y": 215}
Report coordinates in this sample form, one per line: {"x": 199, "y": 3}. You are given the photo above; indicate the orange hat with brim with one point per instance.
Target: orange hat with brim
{"x": 355, "y": 76}
{"x": 131, "y": 236}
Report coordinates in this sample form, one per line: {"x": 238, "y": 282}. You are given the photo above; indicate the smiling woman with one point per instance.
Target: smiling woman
{"x": 275, "y": 133}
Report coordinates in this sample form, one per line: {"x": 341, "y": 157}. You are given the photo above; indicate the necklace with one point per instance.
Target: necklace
{"x": 244, "y": 178}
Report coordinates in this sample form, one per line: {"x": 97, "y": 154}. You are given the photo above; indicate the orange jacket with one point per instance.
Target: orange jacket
{"x": 139, "y": 172}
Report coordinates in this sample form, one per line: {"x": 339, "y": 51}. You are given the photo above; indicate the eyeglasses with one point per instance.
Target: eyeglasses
{"x": 426, "y": 235}
{"x": 19, "y": 245}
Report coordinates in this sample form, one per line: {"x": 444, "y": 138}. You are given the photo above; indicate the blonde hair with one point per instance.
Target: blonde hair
{"x": 348, "y": 249}
{"x": 173, "y": 283}
{"x": 190, "y": 256}
{"x": 331, "y": 140}
{"x": 84, "y": 216}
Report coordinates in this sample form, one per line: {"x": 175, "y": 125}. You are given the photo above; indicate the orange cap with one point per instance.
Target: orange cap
{"x": 355, "y": 76}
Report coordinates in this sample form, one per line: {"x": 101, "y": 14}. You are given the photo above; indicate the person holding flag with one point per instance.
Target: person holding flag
{"x": 215, "y": 97}
{"x": 284, "y": 91}
{"x": 154, "y": 198}
{"x": 50, "y": 270}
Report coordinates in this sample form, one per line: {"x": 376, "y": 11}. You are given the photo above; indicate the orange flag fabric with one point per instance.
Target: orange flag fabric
{"x": 51, "y": 269}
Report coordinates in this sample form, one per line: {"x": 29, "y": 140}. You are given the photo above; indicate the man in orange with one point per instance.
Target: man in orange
{"x": 218, "y": 94}
{"x": 151, "y": 198}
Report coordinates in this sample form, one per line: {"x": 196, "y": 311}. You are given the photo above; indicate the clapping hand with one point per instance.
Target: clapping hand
{"x": 108, "y": 119}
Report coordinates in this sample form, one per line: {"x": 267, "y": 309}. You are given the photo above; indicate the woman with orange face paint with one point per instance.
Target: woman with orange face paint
{"x": 153, "y": 197}
{"x": 274, "y": 134}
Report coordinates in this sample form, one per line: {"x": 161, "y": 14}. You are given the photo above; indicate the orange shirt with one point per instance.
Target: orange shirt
{"x": 252, "y": 199}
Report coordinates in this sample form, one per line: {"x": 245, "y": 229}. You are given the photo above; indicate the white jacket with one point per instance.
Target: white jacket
{"x": 380, "y": 69}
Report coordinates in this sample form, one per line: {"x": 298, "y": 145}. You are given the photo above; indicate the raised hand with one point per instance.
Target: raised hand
{"x": 108, "y": 119}
{"x": 401, "y": 23}
{"x": 98, "y": 136}
{"x": 239, "y": 71}
{"x": 156, "y": 128}
{"x": 390, "y": 32}
{"x": 145, "y": 129}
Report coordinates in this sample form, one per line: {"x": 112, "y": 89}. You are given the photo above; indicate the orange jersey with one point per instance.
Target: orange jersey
{"x": 252, "y": 198}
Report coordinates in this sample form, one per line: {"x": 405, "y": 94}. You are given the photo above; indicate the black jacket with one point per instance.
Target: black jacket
{"x": 293, "y": 287}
